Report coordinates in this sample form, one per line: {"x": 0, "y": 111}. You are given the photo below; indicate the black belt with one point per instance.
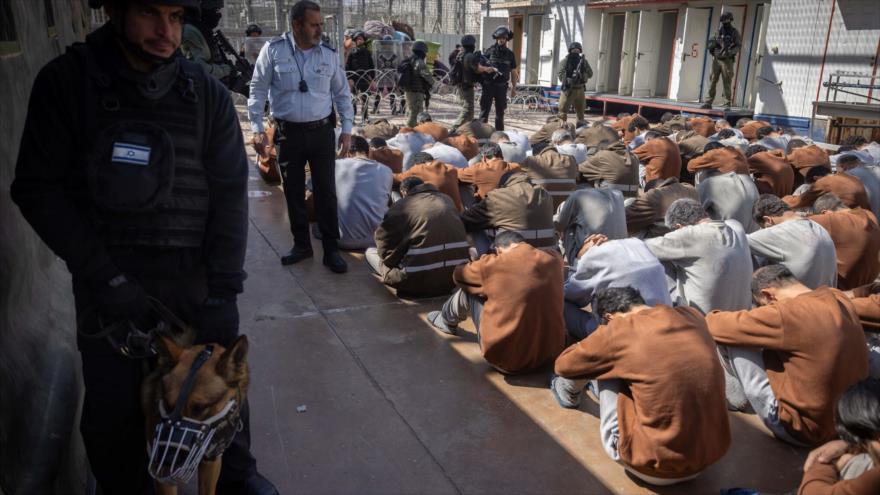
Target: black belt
{"x": 286, "y": 125}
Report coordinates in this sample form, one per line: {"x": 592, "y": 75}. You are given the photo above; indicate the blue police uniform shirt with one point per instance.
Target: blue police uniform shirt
{"x": 277, "y": 74}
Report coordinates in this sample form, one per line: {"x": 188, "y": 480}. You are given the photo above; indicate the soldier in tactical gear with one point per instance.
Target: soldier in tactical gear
{"x": 143, "y": 193}
{"x": 360, "y": 68}
{"x": 574, "y": 71}
{"x": 416, "y": 81}
{"x": 723, "y": 47}
{"x": 471, "y": 67}
{"x": 495, "y": 83}
{"x": 196, "y": 47}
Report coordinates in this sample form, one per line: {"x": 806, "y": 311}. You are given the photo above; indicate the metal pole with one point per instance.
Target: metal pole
{"x": 278, "y": 18}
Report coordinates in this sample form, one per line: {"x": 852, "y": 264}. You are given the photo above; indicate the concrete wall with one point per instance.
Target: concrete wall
{"x": 40, "y": 384}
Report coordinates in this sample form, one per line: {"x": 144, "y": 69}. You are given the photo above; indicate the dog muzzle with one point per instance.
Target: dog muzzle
{"x": 181, "y": 443}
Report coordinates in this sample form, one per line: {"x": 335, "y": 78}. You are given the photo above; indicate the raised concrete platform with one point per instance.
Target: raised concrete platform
{"x": 612, "y": 104}
{"x": 395, "y": 407}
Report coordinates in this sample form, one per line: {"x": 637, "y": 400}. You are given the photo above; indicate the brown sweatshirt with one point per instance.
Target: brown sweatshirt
{"x": 723, "y": 160}
{"x": 485, "y": 175}
{"x": 466, "y": 144}
{"x": 868, "y": 309}
{"x": 750, "y": 129}
{"x": 437, "y": 131}
{"x": 807, "y": 157}
{"x": 823, "y": 479}
{"x": 814, "y": 349}
{"x": 703, "y": 126}
{"x": 521, "y": 326}
{"x": 661, "y": 158}
{"x": 442, "y": 176}
{"x": 673, "y": 421}
{"x": 773, "y": 174}
{"x": 856, "y": 237}
{"x": 848, "y": 188}
{"x": 390, "y": 157}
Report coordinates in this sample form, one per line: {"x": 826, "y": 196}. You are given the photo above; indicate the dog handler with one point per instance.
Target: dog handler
{"x": 143, "y": 193}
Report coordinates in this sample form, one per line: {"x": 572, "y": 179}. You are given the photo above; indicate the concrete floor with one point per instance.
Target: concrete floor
{"x": 393, "y": 406}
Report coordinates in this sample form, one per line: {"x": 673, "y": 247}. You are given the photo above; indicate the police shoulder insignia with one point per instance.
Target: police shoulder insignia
{"x": 327, "y": 46}
{"x": 276, "y": 39}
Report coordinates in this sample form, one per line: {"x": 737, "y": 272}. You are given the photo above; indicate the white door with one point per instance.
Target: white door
{"x": 549, "y": 40}
{"x": 757, "y": 55}
{"x": 604, "y": 59}
{"x": 687, "y": 68}
{"x": 645, "y": 76}
{"x": 628, "y": 56}
{"x": 489, "y": 25}
{"x": 591, "y": 33}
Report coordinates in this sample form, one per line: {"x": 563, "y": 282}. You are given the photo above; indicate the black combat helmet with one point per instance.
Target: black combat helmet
{"x": 727, "y": 17}
{"x": 253, "y": 28}
{"x": 574, "y": 45}
{"x": 502, "y": 32}
{"x": 420, "y": 47}
{"x": 468, "y": 40}
{"x": 192, "y": 6}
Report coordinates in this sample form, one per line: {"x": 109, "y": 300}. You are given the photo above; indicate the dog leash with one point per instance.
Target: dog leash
{"x": 134, "y": 338}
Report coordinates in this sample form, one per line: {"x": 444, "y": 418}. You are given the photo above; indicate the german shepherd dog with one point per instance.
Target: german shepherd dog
{"x": 214, "y": 383}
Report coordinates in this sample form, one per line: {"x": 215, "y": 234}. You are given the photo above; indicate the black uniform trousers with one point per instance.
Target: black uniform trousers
{"x": 112, "y": 423}
{"x": 496, "y": 93}
{"x": 317, "y": 147}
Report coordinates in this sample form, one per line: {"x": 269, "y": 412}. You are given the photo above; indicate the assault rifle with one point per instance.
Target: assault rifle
{"x": 239, "y": 82}
{"x": 576, "y": 77}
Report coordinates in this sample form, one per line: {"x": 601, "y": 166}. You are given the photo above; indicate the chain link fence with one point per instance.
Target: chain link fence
{"x": 424, "y": 16}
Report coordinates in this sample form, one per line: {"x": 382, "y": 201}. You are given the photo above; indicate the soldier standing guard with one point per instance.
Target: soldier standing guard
{"x": 723, "y": 47}
{"x": 416, "y": 80}
{"x": 304, "y": 81}
{"x": 574, "y": 71}
{"x": 495, "y": 83}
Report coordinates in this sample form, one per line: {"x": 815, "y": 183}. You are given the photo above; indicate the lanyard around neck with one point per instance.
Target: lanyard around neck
{"x": 293, "y": 52}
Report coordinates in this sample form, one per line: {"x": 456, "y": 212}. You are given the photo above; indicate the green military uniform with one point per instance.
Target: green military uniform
{"x": 724, "y": 48}
{"x": 419, "y": 83}
{"x": 195, "y": 48}
{"x": 466, "y": 89}
{"x": 574, "y": 71}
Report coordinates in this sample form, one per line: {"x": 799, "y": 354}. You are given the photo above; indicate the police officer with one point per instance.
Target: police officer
{"x": 574, "y": 71}
{"x": 360, "y": 69}
{"x": 495, "y": 83}
{"x": 142, "y": 193}
{"x": 471, "y": 70}
{"x": 416, "y": 81}
{"x": 304, "y": 81}
{"x": 723, "y": 47}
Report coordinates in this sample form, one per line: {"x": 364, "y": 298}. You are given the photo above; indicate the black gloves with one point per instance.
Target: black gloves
{"x": 217, "y": 322}
{"x": 120, "y": 298}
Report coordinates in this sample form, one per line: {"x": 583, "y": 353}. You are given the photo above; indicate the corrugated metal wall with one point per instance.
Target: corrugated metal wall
{"x": 796, "y": 46}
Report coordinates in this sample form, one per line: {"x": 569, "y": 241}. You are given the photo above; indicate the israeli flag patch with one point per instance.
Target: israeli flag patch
{"x": 133, "y": 154}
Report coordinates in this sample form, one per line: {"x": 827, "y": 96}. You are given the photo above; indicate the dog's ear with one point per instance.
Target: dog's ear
{"x": 169, "y": 351}
{"x": 233, "y": 362}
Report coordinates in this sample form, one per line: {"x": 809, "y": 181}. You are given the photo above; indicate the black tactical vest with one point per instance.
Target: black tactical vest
{"x": 503, "y": 60}
{"x": 146, "y": 179}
